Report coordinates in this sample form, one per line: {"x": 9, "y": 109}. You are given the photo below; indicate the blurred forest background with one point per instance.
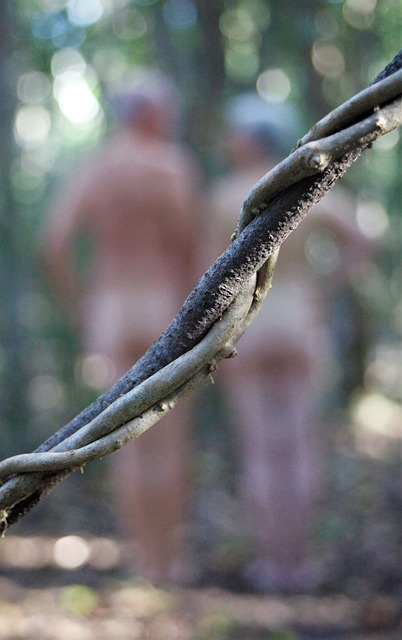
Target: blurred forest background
{"x": 58, "y": 59}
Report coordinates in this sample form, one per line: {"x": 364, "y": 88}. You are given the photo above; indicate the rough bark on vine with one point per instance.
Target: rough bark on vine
{"x": 325, "y": 153}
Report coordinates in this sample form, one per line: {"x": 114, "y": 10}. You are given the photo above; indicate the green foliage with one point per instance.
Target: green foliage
{"x": 78, "y": 600}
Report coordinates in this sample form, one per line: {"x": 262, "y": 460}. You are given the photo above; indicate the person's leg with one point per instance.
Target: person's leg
{"x": 271, "y": 403}
{"x": 151, "y": 483}
{"x": 151, "y": 487}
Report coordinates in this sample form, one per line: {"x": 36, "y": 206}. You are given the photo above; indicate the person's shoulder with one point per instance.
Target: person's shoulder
{"x": 111, "y": 156}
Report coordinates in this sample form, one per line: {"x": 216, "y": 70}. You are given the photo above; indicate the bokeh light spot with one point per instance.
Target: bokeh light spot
{"x": 274, "y": 85}
{"x": 359, "y": 13}
{"x": 32, "y": 126}
{"x": 71, "y": 552}
{"x": 96, "y": 370}
{"x": 129, "y": 24}
{"x": 327, "y": 59}
{"x": 24, "y": 553}
{"x": 45, "y": 392}
{"x": 240, "y": 64}
{"x": 33, "y": 87}
{"x": 377, "y": 421}
{"x": 372, "y": 218}
{"x": 79, "y": 600}
{"x": 105, "y": 553}
{"x": 76, "y": 100}
{"x": 84, "y": 12}
{"x": 67, "y": 59}
{"x": 237, "y": 24}
{"x": 48, "y": 25}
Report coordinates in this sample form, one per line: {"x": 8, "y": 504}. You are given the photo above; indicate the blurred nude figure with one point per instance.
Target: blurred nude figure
{"x": 136, "y": 198}
{"x": 273, "y": 385}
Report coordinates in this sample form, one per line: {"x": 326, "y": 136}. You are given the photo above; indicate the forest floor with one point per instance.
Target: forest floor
{"x": 51, "y": 603}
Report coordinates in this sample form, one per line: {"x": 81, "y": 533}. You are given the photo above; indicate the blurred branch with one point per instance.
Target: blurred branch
{"x": 221, "y": 305}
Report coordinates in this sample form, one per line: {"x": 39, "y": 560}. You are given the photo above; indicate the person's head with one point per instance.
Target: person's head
{"x": 148, "y": 102}
{"x": 256, "y": 130}
{"x": 251, "y": 144}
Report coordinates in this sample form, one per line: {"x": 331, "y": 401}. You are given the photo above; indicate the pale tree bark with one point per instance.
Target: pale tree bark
{"x": 221, "y": 305}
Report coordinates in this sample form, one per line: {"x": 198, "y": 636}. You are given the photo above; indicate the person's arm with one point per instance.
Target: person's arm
{"x": 64, "y": 220}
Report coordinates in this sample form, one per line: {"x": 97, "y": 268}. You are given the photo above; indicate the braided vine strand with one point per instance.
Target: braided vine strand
{"x": 136, "y": 411}
{"x": 22, "y": 490}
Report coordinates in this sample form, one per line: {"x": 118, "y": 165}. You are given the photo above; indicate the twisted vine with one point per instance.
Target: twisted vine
{"x": 221, "y": 306}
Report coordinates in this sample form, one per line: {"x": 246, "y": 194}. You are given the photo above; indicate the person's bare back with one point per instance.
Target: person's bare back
{"x": 272, "y": 387}
{"x": 136, "y": 199}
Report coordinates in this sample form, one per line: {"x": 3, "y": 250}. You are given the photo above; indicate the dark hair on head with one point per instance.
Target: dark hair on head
{"x": 272, "y": 126}
{"x": 129, "y": 106}
{"x": 145, "y": 88}
{"x": 267, "y": 138}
